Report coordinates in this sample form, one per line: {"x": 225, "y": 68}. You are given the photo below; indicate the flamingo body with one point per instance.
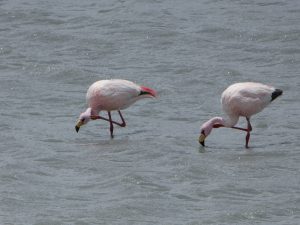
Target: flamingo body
{"x": 112, "y": 95}
{"x": 241, "y": 99}
{"x": 246, "y": 99}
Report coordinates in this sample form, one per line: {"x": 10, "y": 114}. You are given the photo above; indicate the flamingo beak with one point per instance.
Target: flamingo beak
{"x": 78, "y": 125}
{"x": 202, "y": 139}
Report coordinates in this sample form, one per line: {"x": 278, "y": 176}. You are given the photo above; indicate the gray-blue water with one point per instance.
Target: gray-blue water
{"x": 153, "y": 171}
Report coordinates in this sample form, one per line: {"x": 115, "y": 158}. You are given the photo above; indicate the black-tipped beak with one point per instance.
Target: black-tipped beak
{"x": 77, "y": 128}
{"x": 78, "y": 125}
{"x": 202, "y": 139}
{"x": 202, "y": 143}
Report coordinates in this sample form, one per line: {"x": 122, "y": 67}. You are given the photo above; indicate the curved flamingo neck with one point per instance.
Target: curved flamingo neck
{"x": 224, "y": 122}
{"x": 92, "y": 112}
{"x": 216, "y": 122}
{"x": 88, "y": 112}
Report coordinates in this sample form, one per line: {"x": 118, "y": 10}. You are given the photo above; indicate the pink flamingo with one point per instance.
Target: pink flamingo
{"x": 110, "y": 95}
{"x": 240, "y": 99}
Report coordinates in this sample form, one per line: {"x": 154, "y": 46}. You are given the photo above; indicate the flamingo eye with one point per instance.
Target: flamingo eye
{"x": 82, "y": 120}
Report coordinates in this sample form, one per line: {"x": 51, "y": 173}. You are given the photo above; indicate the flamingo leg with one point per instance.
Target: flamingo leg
{"x": 237, "y": 128}
{"x": 111, "y": 128}
{"x": 249, "y": 124}
{"x": 249, "y": 129}
{"x": 240, "y": 128}
{"x": 111, "y": 122}
{"x": 123, "y": 124}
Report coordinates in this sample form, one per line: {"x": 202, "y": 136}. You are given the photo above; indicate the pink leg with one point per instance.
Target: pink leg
{"x": 249, "y": 129}
{"x": 111, "y": 122}
{"x": 237, "y": 128}
{"x": 123, "y": 124}
{"x": 111, "y": 128}
{"x": 249, "y": 124}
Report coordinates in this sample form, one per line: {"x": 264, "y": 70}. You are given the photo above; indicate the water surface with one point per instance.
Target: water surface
{"x": 153, "y": 171}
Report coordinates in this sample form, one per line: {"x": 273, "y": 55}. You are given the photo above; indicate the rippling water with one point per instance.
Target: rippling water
{"x": 153, "y": 171}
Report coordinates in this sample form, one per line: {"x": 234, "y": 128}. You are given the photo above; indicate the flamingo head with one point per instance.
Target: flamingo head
{"x": 205, "y": 131}
{"x": 83, "y": 119}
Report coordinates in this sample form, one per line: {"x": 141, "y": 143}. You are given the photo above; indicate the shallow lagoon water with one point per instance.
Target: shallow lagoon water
{"x": 153, "y": 171}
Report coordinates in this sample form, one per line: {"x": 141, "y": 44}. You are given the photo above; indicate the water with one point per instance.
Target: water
{"x": 153, "y": 171}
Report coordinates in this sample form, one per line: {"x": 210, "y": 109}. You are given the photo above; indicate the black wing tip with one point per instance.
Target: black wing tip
{"x": 276, "y": 93}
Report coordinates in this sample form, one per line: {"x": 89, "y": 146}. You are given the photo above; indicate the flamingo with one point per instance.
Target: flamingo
{"x": 240, "y": 99}
{"x": 111, "y": 95}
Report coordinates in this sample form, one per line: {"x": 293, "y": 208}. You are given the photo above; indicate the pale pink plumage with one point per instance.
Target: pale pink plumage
{"x": 241, "y": 99}
{"x": 112, "y": 95}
